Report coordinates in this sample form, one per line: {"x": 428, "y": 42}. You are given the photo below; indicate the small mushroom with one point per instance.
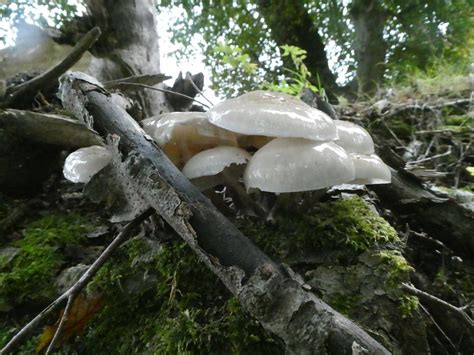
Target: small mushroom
{"x": 84, "y": 163}
{"x": 370, "y": 170}
{"x": 272, "y": 114}
{"x": 206, "y": 168}
{"x": 182, "y": 135}
{"x": 297, "y": 164}
{"x": 353, "y": 138}
{"x": 222, "y": 165}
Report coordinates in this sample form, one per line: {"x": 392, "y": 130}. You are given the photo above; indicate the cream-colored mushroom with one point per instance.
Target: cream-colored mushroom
{"x": 272, "y": 114}
{"x": 84, "y": 163}
{"x": 205, "y": 168}
{"x": 370, "y": 170}
{"x": 297, "y": 164}
{"x": 353, "y": 138}
{"x": 181, "y": 135}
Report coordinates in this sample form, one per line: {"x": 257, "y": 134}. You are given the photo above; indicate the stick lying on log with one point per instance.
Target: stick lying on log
{"x": 278, "y": 301}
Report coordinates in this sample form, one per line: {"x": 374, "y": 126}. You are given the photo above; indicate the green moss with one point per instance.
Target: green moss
{"x": 346, "y": 224}
{"x": 458, "y": 120}
{"x": 344, "y": 303}
{"x": 161, "y": 299}
{"x": 408, "y": 305}
{"x": 396, "y": 266}
{"x": 29, "y": 275}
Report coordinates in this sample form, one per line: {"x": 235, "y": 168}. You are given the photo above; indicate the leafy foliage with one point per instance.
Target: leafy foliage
{"x": 58, "y": 11}
{"x": 298, "y": 79}
{"x": 415, "y": 32}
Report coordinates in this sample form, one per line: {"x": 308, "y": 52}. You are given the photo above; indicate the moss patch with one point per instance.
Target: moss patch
{"x": 396, "y": 266}
{"x": 347, "y": 224}
{"x": 161, "y": 299}
{"x": 29, "y": 274}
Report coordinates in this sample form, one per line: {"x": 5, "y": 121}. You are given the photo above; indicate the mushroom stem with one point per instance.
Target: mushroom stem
{"x": 244, "y": 199}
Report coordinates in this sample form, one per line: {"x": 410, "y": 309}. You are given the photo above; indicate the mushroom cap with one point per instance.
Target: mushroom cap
{"x": 184, "y": 134}
{"x": 353, "y": 138}
{"x": 213, "y": 161}
{"x": 84, "y": 163}
{"x": 272, "y": 114}
{"x": 296, "y": 164}
{"x": 370, "y": 170}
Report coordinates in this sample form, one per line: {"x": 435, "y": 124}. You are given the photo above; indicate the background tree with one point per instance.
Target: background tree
{"x": 368, "y": 40}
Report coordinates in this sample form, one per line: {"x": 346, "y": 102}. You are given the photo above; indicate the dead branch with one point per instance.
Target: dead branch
{"x": 278, "y": 301}
{"x": 48, "y": 128}
{"x": 71, "y": 294}
{"x": 457, "y": 311}
{"x": 50, "y": 77}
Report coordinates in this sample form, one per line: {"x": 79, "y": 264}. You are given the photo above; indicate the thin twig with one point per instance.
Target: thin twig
{"x": 169, "y": 92}
{"x": 437, "y": 326}
{"x": 189, "y": 76}
{"x": 50, "y": 77}
{"x": 433, "y": 299}
{"x": 448, "y": 152}
{"x": 75, "y": 289}
{"x": 62, "y": 323}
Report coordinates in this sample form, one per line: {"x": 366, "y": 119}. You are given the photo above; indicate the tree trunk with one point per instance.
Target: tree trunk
{"x": 368, "y": 18}
{"x": 128, "y": 45}
{"x": 291, "y": 24}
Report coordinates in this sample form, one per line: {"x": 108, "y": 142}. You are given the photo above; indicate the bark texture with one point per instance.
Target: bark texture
{"x": 266, "y": 290}
{"x": 291, "y": 24}
{"x": 368, "y": 18}
{"x": 128, "y": 45}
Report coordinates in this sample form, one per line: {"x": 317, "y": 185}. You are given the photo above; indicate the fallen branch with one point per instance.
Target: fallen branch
{"x": 278, "y": 301}
{"x": 74, "y": 290}
{"x": 50, "y": 77}
{"x": 47, "y": 128}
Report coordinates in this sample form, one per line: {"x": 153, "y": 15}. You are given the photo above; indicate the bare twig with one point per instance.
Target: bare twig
{"x": 448, "y": 152}
{"x": 50, "y": 77}
{"x": 189, "y": 76}
{"x": 438, "y": 301}
{"x": 169, "y": 92}
{"x": 440, "y": 330}
{"x": 75, "y": 289}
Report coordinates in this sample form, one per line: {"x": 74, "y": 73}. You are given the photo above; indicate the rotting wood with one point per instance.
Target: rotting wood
{"x": 280, "y": 302}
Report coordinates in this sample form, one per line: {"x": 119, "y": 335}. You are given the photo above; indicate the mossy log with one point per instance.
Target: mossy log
{"x": 266, "y": 290}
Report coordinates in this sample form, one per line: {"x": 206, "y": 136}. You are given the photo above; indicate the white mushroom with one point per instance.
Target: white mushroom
{"x": 296, "y": 164}
{"x": 204, "y": 168}
{"x": 84, "y": 163}
{"x": 272, "y": 114}
{"x": 370, "y": 170}
{"x": 184, "y": 134}
{"x": 353, "y": 138}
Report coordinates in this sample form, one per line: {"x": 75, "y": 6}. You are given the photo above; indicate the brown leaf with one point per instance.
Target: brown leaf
{"x": 82, "y": 311}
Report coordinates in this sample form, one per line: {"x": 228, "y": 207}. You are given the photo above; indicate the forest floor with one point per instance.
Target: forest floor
{"x": 153, "y": 295}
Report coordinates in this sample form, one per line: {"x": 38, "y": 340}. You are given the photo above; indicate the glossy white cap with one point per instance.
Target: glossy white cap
{"x": 213, "y": 161}
{"x": 272, "y": 114}
{"x": 184, "y": 134}
{"x": 353, "y": 138}
{"x": 296, "y": 164}
{"x": 370, "y": 170}
{"x": 84, "y": 163}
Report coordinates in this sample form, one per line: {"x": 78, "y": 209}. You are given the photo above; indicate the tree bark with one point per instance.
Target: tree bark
{"x": 291, "y": 24}
{"x": 266, "y": 290}
{"x": 128, "y": 45}
{"x": 368, "y": 18}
